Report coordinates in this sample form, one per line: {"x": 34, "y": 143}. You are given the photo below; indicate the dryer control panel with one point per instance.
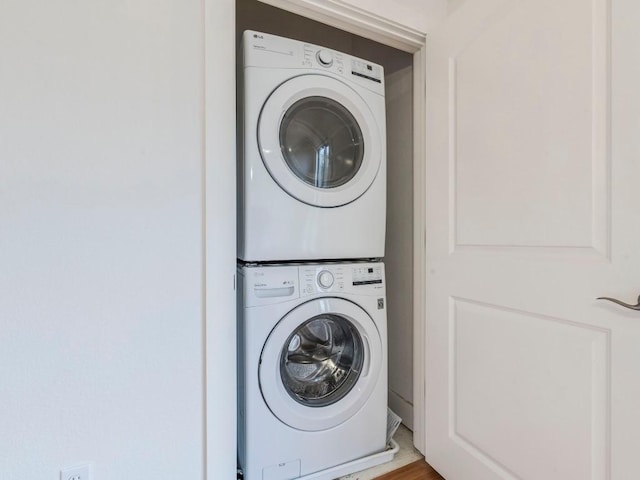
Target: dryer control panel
{"x": 263, "y": 50}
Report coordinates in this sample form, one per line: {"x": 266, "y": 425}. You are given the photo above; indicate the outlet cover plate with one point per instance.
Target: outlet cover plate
{"x": 80, "y": 472}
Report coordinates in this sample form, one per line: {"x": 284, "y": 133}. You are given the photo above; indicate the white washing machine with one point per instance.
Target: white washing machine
{"x": 312, "y": 170}
{"x": 312, "y": 367}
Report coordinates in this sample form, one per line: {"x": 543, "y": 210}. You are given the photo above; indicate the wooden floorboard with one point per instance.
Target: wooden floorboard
{"x": 419, "y": 470}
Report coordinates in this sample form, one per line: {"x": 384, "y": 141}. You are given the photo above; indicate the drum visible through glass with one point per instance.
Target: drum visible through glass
{"x": 321, "y": 142}
{"x": 322, "y": 360}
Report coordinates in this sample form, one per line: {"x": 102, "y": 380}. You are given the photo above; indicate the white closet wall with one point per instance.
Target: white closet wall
{"x": 399, "y": 249}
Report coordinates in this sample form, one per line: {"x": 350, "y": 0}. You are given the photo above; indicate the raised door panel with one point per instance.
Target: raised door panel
{"x": 527, "y": 106}
{"x": 529, "y": 393}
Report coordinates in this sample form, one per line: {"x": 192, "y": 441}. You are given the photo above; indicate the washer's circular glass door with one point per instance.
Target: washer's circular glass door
{"x": 319, "y": 140}
{"x": 322, "y": 360}
{"x": 320, "y": 364}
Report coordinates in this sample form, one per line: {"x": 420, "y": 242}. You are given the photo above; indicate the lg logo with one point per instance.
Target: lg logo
{"x": 255, "y": 35}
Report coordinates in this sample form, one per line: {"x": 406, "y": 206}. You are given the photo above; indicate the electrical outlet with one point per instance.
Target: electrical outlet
{"x": 81, "y": 472}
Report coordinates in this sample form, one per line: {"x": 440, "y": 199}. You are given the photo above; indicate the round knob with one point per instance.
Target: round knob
{"x": 325, "y": 279}
{"x": 324, "y": 57}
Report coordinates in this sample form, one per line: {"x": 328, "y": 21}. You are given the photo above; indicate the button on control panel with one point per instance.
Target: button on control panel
{"x": 325, "y": 58}
{"x": 312, "y": 57}
{"x": 322, "y": 279}
{"x": 325, "y": 279}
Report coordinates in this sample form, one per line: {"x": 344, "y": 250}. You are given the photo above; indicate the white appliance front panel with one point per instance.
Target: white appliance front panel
{"x": 274, "y": 225}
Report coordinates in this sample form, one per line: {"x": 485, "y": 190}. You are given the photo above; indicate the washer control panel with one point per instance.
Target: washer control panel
{"x": 272, "y": 284}
{"x": 360, "y": 278}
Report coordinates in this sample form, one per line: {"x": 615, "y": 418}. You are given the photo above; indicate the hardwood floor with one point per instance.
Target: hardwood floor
{"x": 419, "y": 470}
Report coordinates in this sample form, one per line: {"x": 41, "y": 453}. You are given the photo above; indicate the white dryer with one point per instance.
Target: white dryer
{"x": 312, "y": 170}
{"x": 312, "y": 367}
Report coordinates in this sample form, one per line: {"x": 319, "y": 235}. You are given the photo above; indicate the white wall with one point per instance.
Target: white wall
{"x": 399, "y": 249}
{"x": 101, "y": 238}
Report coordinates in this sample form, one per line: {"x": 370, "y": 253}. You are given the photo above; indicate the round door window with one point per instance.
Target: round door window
{"x": 321, "y": 360}
{"x": 321, "y": 142}
{"x": 320, "y": 364}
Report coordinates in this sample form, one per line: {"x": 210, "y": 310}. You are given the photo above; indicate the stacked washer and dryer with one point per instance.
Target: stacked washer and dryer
{"x": 312, "y": 332}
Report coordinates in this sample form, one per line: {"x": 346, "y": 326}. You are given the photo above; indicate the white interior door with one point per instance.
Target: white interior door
{"x": 533, "y": 160}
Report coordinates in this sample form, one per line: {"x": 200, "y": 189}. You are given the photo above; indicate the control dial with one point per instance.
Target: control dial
{"x": 325, "y": 279}
{"x": 325, "y": 58}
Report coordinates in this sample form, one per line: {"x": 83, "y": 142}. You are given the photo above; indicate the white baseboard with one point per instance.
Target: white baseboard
{"x": 402, "y": 407}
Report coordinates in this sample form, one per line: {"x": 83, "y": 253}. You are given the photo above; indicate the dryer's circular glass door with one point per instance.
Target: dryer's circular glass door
{"x": 320, "y": 364}
{"x": 320, "y": 141}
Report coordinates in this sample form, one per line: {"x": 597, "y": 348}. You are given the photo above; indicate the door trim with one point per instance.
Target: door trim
{"x": 218, "y": 240}
{"x": 366, "y": 24}
{"x": 355, "y": 20}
